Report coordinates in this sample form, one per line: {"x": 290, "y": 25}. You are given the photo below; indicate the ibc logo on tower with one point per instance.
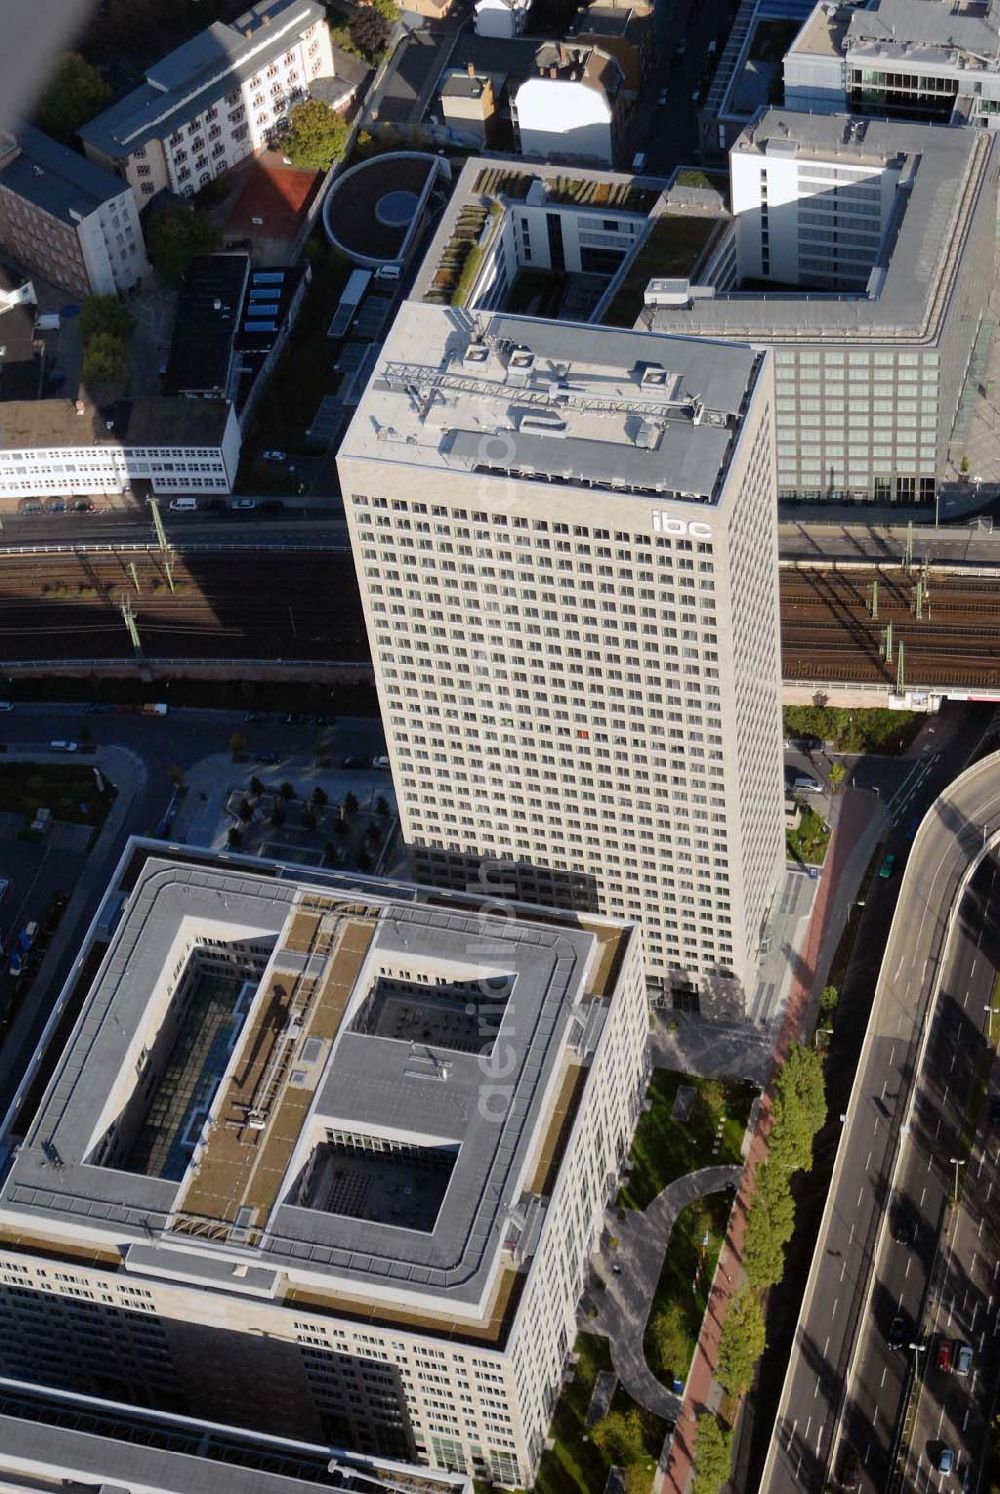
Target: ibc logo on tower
{"x": 665, "y": 524}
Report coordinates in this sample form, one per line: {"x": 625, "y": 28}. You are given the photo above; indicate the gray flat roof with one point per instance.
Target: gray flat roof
{"x": 947, "y": 168}
{"x": 92, "y": 1442}
{"x": 58, "y": 180}
{"x": 588, "y": 405}
{"x": 922, "y": 23}
{"x": 199, "y": 73}
{"x": 367, "y": 1084}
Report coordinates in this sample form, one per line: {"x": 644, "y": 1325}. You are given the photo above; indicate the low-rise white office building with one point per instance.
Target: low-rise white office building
{"x": 62, "y": 448}
{"x": 324, "y": 1156}
{"x": 862, "y": 253}
{"x": 215, "y": 100}
{"x": 502, "y": 18}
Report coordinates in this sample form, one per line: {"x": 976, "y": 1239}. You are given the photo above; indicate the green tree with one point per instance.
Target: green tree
{"x": 234, "y": 839}
{"x": 828, "y": 998}
{"x": 713, "y": 1452}
{"x": 320, "y": 798}
{"x": 176, "y": 236}
{"x": 713, "y": 1097}
{"x": 799, "y": 1110}
{"x": 350, "y": 803}
{"x": 741, "y": 1343}
{"x": 237, "y": 743}
{"x": 105, "y": 360}
{"x": 369, "y": 32}
{"x": 256, "y": 787}
{"x": 639, "y": 1477}
{"x": 770, "y": 1223}
{"x": 308, "y": 820}
{"x": 287, "y": 791}
{"x": 837, "y": 775}
{"x": 76, "y": 92}
{"x": 277, "y": 816}
{"x": 176, "y": 776}
{"x": 618, "y": 1434}
{"x": 317, "y": 136}
{"x": 245, "y": 811}
{"x": 104, "y": 314}
{"x": 671, "y": 1341}
{"x": 387, "y": 9}
{"x": 382, "y": 806}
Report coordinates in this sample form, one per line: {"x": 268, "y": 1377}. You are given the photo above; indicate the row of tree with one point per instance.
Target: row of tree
{"x": 798, "y": 1113}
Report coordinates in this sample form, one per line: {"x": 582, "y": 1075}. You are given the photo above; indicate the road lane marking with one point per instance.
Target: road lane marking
{"x": 923, "y": 1195}
{"x": 975, "y": 1313}
{"x": 909, "y": 1263}
{"x": 869, "y": 1162}
{"x": 892, "y": 1055}
{"x": 965, "y": 1000}
{"x": 940, "y": 1421}
{"x": 861, "y": 1194}
{"x": 833, "y": 1313}
{"x": 808, "y": 1425}
{"x": 843, "y": 1269}
{"x": 816, "y": 1391}
{"x": 972, "y": 1268}
{"x": 965, "y": 1419}
{"x": 882, "y": 1381}
{"x": 826, "y": 1345}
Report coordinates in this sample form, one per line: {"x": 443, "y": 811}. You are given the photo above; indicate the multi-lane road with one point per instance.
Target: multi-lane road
{"x": 844, "y": 1386}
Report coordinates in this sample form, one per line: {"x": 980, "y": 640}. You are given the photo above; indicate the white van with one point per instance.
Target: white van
{"x": 183, "y": 505}
{"x": 62, "y": 746}
{"x": 389, "y": 272}
{"x": 639, "y": 161}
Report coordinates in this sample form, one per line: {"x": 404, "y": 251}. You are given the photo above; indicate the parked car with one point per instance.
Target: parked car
{"x": 897, "y": 1332}
{"x": 995, "y": 1109}
{"x": 681, "y": 47}
{"x": 6, "y": 705}
{"x": 904, "y": 1230}
{"x": 60, "y": 745}
{"x": 803, "y": 744}
{"x": 963, "y": 1359}
{"x": 244, "y": 503}
{"x": 662, "y": 97}
{"x": 389, "y": 272}
{"x": 803, "y": 781}
{"x": 354, "y": 760}
{"x": 945, "y": 1459}
{"x": 639, "y": 161}
{"x": 82, "y": 506}
{"x": 274, "y": 456}
{"x": 269, "y": 758}
{"x": 380, "y": 762}
{"x": 943, "y": 1360}
{"x": 888, "y": 866}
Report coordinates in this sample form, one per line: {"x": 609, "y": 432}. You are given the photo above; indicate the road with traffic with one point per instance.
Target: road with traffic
{"x": 843, "y": 1297}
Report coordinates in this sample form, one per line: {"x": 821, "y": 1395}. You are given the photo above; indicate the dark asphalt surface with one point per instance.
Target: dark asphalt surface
{"x": 837, "y": 1290}
{"x": 179, "y": 739}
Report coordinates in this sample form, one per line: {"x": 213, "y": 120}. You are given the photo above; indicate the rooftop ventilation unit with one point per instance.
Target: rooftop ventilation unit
{"x": 476, "y": 352}
{"x": 520, "y": 366}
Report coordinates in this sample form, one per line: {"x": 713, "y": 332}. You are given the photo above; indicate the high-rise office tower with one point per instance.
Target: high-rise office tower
{"x": 565, "y": 540}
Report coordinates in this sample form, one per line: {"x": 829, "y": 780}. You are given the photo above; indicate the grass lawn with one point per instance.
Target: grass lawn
{"x": 70, "y": 792}
{"x": 664, "y": 1149}
{"x": 678, "y": 1304}
{"x": 672, "y": 247}
{"x": 575, "y": 1466}
{"x": 810, "y": 838}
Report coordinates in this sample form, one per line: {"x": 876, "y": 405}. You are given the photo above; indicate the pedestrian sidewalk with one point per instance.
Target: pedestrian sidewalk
{"x": 624, "y": 1302}
{"x": 851, "y": 846}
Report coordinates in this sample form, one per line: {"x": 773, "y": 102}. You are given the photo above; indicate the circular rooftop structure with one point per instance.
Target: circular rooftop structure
{"x": 374, "y": 208}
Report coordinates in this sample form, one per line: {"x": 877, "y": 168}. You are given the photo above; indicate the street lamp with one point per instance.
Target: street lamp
{"x": 956, "y": 1162}
{"x": 918, "y": 1349}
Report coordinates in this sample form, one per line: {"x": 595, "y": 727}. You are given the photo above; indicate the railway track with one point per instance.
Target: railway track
{"x": 302, "y": 604}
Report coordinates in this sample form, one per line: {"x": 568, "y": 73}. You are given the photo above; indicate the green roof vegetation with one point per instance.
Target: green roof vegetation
{"x": 504, "y": 181}
{"x": 673, "y": 247}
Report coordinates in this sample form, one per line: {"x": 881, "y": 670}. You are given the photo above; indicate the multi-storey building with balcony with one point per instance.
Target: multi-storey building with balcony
{"x": 214, "y": 100}
{"x": 323, "y": 1156}
{"x": 565, "y": 542}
